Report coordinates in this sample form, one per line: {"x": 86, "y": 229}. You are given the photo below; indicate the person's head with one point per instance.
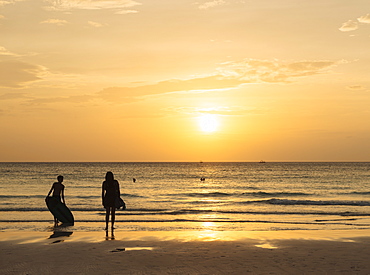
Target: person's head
{"x": 60, "y": 178}
{"x": 109, "y": 176}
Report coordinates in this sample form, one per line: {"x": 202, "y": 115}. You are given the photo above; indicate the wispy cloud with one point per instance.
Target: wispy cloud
{"x": 257, "y": 71}
{"x": 15, "y": 74}
{"x": 96, "y": 24}
{"x": 364, "y": 19}
{"x": 352, "y": 25}
{"x": 66, "y": 99}
{"x": 356, "y": 87}
{"x": 230, "y": 75}
{"x": 4, "y": 51}
{"x": 8, "y": 2}
{"x": 211, "y": 4}
{"x": 10, "y": 96}
{"x": 348, "y": 26}
{"x": 204, "y": 83}
{"x": 70, "y": 5}
{"x": 57, "y": 22}
{"x": 126, "y": 11}
{"x": 204, "y": 5}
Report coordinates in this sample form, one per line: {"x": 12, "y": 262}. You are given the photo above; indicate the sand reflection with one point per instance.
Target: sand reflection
{"x": 266, "y": 245}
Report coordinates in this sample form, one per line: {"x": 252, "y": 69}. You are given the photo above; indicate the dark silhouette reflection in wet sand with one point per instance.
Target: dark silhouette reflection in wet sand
{"x": 60, "y": 234}
{"x": 57, "y": 234}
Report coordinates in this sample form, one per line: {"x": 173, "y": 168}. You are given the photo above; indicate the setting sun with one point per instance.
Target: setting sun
{"x": 208, "y": 123}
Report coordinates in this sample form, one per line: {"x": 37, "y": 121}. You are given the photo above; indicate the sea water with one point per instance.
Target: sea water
{"x": 173, "y": 196}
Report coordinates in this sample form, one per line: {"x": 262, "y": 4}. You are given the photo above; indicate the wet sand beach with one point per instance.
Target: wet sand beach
{"x": 208, "y": 252}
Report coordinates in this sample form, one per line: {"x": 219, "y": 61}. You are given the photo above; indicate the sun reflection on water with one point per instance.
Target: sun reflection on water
{"x": 208, "y": 225}
{"x": 208, "y": 229}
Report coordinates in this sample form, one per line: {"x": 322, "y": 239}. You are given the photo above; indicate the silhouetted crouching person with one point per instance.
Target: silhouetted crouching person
{"x": 110, "y": 192}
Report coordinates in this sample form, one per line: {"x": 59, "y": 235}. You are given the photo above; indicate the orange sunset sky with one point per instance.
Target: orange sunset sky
{"x": 187, "y": 80}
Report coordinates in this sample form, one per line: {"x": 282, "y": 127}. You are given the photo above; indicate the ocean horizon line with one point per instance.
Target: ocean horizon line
{"x": 264, "y": 162}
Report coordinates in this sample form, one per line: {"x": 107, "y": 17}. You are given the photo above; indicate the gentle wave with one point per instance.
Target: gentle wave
{"x": 22, "y": 196}
{"x": 309, "y": 202}
{"x": 249, "y": 194}
{"x": 359, "y": 193}
{"x": 206, "y": 195}
{"x": 276, "y": 194}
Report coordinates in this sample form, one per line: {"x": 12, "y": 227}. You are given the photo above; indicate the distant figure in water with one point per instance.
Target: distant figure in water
{"x": 202, "y": 179}
{"x": 134, "y": 180}
{"x": 110, "y": 192}
{"x": 58, "y": 192}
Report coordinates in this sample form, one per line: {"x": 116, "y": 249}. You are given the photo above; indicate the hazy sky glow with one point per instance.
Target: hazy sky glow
{"x": 123, "y": 80}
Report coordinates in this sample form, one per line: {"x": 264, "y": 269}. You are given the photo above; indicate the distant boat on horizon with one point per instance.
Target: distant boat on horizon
{"x": 262, "y": 161}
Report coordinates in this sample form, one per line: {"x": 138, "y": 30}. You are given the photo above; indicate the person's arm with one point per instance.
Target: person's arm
{"x": 63, "y": 200}
{"x": 102, "y": 194}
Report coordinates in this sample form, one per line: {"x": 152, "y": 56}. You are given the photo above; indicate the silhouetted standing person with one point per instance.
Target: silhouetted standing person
{"x": 58, "y": 192}
{"x": 110, "y": 192}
